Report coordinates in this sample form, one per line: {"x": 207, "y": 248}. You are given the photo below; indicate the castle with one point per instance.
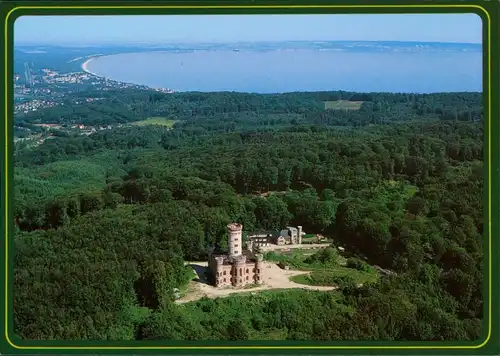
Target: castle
{"x": 237, "y": 267}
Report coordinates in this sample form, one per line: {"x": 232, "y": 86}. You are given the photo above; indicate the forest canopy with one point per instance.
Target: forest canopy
{"x": 105, "y": 222}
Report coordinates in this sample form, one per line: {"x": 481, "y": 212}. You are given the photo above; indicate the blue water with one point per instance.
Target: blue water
{"x": 315, "y": 66}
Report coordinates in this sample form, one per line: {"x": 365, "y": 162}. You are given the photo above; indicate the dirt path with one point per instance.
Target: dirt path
{"x": 274, "y": 278}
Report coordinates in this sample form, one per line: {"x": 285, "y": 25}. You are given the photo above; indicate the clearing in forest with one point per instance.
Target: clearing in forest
{"x": 275, "y": 278}
{"x": 342, "y": 105}
{"x": 156, "y": 120}
{"x": 326, "y": 267}
{"x": 320, "y": 271}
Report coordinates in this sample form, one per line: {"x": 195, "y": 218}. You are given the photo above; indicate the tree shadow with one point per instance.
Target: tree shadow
{"x": 203, "y": 274}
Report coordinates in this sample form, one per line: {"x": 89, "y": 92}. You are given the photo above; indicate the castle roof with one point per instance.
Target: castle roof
{"x": 249, "y": 255}
{"x": 234, "y": 226}
{"x": 259, "y": 234}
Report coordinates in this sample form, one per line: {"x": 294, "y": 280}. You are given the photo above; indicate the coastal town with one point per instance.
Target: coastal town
{"x": 37, "y": 89}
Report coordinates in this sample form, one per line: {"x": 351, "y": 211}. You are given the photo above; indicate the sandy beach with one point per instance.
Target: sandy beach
{"x": 85, "y": 67}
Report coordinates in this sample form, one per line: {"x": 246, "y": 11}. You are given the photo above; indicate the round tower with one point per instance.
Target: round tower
{"x": 219, "y": 262}
{"x": 234, "y": 243}
{"x": 239, "y": 273}
{"x": 299, "y": 233}
{"x": 259, "y": 264}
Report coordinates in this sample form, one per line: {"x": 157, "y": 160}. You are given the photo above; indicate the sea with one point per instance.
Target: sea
{"x": 410, "y": 67}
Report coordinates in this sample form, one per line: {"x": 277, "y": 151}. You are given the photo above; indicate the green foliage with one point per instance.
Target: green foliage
{"x": 326, "y": 256}
{"x": 339, "y": 277}
{"x": 326, "y": 267}
{"x": 358, "y": 264}
{"x": 104, "y": 222}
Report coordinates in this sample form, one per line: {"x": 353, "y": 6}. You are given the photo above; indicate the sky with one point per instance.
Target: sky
{"x": 246, "y": 28}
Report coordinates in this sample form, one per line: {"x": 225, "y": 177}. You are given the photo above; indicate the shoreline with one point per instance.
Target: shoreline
{"x": 86, "y": 70}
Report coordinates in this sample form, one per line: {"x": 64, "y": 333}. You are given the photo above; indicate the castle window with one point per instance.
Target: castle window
{"x": 258, "y": 270}
{"x": 247, "y": 278}
{"x": 241, "y": 281}
{"x": 224, "y": 273}
{"x": 224, "y": 280}
{"x": 235, "y": 245}
{"x": 253, "y": 270}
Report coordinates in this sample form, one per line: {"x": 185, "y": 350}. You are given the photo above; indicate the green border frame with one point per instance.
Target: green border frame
{"x": 488, "y": 11}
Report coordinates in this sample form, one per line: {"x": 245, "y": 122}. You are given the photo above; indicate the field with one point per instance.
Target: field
{"x": 157, "y": 120}
{"x": 342, "y": 105}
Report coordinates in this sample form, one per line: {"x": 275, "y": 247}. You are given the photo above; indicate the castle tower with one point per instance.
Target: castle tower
{"x": 259, "y": 265}
{"x": 239, "y": 273}
{"x": 299, "y": 232}
{"x": 219, "y": 261}
{"x": 235, "y": 241}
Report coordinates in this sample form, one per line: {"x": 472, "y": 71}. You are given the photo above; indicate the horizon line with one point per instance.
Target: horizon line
{"x": 169, "y": 42}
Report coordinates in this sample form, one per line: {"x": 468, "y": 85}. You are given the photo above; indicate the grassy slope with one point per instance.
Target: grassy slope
{"x": 343, "y": 105}
{"x": 320, "y": 273}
